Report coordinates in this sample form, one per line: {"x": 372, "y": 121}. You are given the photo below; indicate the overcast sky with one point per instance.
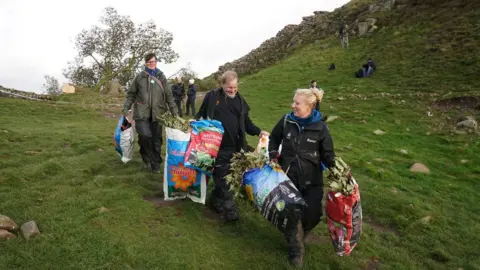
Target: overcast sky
{"x": 36, "y": 36}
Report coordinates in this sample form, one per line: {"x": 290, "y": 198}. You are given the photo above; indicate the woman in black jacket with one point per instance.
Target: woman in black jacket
{"x": 306, "y": 143}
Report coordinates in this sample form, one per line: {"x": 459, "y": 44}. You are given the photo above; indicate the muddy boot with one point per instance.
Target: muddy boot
{"x": 231, "y": 213}
{"x": 215, "y": 204}
{"x": 296, "y": 248}
{"x": 305, "y": 237}
{"x": 156, "y": 168}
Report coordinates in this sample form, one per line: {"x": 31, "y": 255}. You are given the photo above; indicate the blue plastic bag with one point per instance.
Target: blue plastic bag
{"x": 275, "y": 196}
{"x": 123, "y": 139}
{"x": 179, "y": 181}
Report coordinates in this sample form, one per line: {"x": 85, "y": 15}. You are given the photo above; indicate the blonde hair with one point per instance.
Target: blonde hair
{"x": 313, "y": 95}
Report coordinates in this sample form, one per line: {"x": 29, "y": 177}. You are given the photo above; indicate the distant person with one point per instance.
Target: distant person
{"x": 151, "y": 97}
{"x": 343, "y": 35}
{"x": 332, "y": 67}
{"x": 313, "y": 85}
{"x": 191, "y": 97}
{"x": 306, "y": 145}
{"x": 364, "y": 72}
{"x": 372, "y": 64}
{"x": 178, "y": 91}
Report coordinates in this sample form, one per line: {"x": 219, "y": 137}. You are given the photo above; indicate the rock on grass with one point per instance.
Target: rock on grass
{"x": 30, "y": 230}
{"x": 419, "y": 168}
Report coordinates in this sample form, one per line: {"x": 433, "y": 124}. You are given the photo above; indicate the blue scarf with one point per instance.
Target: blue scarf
{"x": 314, "y": 117}
{"x": 152, "y": 72}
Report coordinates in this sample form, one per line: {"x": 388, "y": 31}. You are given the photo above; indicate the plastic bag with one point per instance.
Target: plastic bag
{"x": 344, "y": 219}
{"x": 205, "y": 140}
{"x": 123, "y": 139}
{"x": 179, "y": 181}
{"x": 275, "y": 196}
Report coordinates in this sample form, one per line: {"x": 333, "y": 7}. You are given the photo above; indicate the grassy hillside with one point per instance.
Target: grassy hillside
{"x": 58, "y": 166}
{"x": 426, "y": 45}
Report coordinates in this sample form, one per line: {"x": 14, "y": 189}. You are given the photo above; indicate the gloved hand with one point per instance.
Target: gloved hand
{"x": 273, "y": 155}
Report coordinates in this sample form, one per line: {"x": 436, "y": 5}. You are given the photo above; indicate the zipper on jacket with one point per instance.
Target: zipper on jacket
{"x": 297, "y": 144}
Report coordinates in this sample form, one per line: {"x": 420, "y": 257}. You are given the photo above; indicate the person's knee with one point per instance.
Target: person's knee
{"x": 143, "y": 129}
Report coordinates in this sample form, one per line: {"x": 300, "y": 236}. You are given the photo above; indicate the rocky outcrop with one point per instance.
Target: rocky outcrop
{"x": 359, "y": 16}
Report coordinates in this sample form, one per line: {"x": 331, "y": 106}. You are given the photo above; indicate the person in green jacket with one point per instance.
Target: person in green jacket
{"x": 151, "y": 97}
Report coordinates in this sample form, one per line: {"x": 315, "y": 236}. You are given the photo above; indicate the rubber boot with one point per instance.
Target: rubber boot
{"x": 231, "y": 213}
{"x": 296, "y": 248}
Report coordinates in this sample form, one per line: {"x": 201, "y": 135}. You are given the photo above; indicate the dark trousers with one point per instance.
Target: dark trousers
{"x": 191, "y": 105}
{"x": 150, "y": 141}
{"x": 178, "y": 102}
{"x": 222, "y": 198}
{"x": 312, "y": 213}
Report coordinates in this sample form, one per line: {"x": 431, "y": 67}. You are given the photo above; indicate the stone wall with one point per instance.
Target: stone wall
{"x": 359, "y": 16}
{"x": 12, "y": 93}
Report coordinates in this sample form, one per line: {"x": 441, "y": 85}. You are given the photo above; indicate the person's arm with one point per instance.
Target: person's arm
{"x": 276, "y": 137}
{"x": 250, "y": 127}
{"x": 327, "y": 155}
{"x": 169, "y": 96}
{"x": 131, "y": 93}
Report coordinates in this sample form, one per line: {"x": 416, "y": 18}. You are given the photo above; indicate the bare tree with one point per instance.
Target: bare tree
{"x": 51, "y": 85}
{"x": 116, "y": 49}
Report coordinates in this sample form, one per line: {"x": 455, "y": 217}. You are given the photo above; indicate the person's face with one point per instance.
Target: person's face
{"x": 314, "y": 84}
{"x": 231, "y": 88}
{"x": 151, "y": 63}
{"x": 179, "y": 80}
{"x": 300, "y": 107}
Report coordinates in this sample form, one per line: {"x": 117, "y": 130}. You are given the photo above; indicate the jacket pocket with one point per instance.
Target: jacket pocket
{"x": 140, "y": 110}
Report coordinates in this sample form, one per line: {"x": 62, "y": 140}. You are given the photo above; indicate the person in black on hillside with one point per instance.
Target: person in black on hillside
{"x": 226, "y": 105}
{"x": 306, "y": 144}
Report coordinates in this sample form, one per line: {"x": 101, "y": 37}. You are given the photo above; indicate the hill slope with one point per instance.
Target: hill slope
{"x": 436, "y": 40}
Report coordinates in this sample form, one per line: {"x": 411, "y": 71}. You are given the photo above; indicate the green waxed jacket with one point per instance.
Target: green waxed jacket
{"x": 150, "y": 99}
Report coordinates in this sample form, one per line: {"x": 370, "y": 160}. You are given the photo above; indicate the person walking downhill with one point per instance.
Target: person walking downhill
{"x": 226, "y": 105}
{"x": 306, "y": 144}
{"x": 151, "y": 97}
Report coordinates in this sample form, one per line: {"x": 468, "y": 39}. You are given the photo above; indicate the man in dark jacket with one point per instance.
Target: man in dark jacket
{"x": 151, "y": 97}
{"x": 191, "y": 97}
{"x": 178, "y": 91}
{"x": 226, "y": 105}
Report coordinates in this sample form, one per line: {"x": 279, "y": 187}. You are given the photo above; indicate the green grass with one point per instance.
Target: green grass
{"x": 66, "y": 178}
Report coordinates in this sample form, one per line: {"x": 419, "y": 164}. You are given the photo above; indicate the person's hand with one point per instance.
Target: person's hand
{"x": 125, "y": 113}
{"x": 264, "y": 133}
{"x": 191, "y": 120}
{"x": 273, "y": 155}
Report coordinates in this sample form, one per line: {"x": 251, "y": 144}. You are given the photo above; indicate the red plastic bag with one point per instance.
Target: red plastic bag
{"x": 344, "y": 220}
{"x": 205, "y": 140}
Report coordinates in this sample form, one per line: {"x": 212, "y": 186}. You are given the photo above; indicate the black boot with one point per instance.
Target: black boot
{"x": 296, "y": 248}
{"x": 231, "y": 213}
{"x": 156, "y": 168}
{"x": 215, "y": 204}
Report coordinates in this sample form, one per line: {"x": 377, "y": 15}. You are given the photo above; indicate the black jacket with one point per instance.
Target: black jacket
{"x": 303, "y": 150}
{"x": 210, "y": 109}
{"x": 192, "y": 91}
{"x": 178, "y": 91}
